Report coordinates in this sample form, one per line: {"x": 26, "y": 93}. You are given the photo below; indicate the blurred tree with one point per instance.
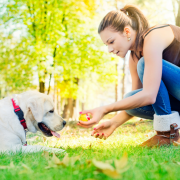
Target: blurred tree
{"x": 157, "y": 12}
{"x": 16, "y": 69}
{"x": 62, "y": 42}
{"x": 176, "y": 11}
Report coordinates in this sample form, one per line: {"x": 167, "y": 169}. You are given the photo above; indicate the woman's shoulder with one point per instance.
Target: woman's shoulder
{"x": 160, "y": 35}
{"x": 153, "y": 28}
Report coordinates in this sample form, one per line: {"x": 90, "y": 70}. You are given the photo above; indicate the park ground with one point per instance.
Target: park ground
{"x": 88, "y": 158}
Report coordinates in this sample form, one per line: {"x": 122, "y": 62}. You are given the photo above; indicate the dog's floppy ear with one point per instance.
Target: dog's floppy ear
{"x": 36, "y": 106}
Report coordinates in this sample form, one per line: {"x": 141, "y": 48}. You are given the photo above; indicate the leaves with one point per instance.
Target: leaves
{"x": 55, "y": 160}
{"x": 66, "y": 161}
{"x": 106, "y": 168}
{"x": 46, "y": 154}
{"x": 109, "y": 170}
{"x": 8, "y": 167}
{"x": 114, "y": 174}
{"x": 26, "y": 169}
{"x": 103, "y": 166}
{"x": 121, "y": 165}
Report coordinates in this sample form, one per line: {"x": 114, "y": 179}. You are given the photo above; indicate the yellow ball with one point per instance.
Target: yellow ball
{"x": 84, "y": 117}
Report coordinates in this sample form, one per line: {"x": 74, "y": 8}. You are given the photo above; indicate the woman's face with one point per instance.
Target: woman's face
{"x": 117, "y": 42}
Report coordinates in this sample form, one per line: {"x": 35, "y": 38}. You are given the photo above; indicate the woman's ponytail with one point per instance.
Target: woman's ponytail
{"x": 138, "y": 23}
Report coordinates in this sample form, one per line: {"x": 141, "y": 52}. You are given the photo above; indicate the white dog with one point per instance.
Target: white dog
{"x": 29, "y": 111}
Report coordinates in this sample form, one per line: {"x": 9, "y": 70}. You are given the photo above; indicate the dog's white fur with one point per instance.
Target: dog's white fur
{"x": 36, "y": 107}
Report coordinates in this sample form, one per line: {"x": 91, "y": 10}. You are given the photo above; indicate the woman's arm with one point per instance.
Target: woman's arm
{"x": 120, "y": 118}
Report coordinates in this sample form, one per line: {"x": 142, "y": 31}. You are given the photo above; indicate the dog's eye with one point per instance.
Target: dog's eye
{"x": 51, "y": 111}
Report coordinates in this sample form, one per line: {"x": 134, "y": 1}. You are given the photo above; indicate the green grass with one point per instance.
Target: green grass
{"x": 157, "y": 163}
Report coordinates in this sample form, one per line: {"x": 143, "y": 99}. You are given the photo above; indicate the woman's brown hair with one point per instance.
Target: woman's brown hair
{"x": 129, "y": 15}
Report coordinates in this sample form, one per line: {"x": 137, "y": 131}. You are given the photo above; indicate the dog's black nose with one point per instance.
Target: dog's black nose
{"x": 64, "y": 123}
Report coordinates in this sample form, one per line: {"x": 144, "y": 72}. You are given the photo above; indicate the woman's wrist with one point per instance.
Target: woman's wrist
{"x": 108, "y": 109}
{"x": 116, "y": 123}
{"x": 120, "y": 118}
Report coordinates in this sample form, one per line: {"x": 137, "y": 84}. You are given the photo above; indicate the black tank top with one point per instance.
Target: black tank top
{"x": 172, "y": 52}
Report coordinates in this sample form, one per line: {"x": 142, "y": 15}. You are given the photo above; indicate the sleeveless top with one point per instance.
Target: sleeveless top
{"x": 172, "y": 52}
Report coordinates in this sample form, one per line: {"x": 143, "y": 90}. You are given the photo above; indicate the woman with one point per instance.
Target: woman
{"x": 155, "y": 69}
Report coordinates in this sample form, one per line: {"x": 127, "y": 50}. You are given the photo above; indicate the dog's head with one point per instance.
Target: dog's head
{"x": 40, "y": 111}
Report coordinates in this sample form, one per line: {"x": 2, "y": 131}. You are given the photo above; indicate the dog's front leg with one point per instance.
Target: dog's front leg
{"x": 38, "y": 148}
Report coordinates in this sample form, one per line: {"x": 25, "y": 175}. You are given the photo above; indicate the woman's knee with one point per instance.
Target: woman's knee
{"x": 140, "y": 114}
{"x": 128, "y": 94}
{"x": 130, "y": 112}
{"x": 131, "y": 93}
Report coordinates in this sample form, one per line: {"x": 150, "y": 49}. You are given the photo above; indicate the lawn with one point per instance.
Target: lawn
{"x": 87, "y": 158}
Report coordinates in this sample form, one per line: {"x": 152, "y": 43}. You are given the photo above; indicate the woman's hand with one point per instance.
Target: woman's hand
{"x": 97, "y": 115}
{"x": 104, "y": 130}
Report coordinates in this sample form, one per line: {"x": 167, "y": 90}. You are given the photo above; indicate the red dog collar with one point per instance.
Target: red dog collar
{"x": 19, "y": 113}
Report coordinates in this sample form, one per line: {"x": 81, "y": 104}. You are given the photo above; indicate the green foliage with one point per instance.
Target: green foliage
{"x": 60, "y": 41}
{"x": 16, "y": 68}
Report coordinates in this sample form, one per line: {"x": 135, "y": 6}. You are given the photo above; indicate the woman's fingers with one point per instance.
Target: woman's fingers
{"x": 99, "y": 126}
{"x": 90, "y": 123}
{"x": 93, "y": 132}
{"x": 105, "y": 137}
{"x": 96, "y": 135}
{"x": 101, "y": 135}
{"x": 85, "y": 112}
{"x": 86, "y": 123}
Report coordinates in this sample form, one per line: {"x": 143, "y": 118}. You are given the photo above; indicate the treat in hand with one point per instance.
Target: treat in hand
{"x": 84, "y": 117}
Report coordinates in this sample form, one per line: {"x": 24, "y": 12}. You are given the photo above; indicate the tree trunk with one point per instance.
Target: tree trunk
{"x": 178, "y": 15}
{"x": 58, "y": 102}
{"x": 83, "y": 106}
{"x": 69, "y": 108}
{"x": 50, "y": 76}
{"x": 116, "y": 85}
{"x": 65, "y": 111}
{"x": 174, "y": 8}
{"x": 123, "y": 71}
{"x": 123, "y": 78}
{"x": 41, "y": 87}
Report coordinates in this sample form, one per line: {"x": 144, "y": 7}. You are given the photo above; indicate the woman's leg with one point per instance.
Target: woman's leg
{"x": 147, "y": 112}
{"x": 162, "y": 105}
{"x": 171, "y": 78}
{"x": 168, "y": 97}
{"x": 166, "y": 123}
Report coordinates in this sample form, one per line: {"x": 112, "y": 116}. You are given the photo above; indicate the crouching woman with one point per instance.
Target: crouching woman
{"x": 155, "y": 70}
